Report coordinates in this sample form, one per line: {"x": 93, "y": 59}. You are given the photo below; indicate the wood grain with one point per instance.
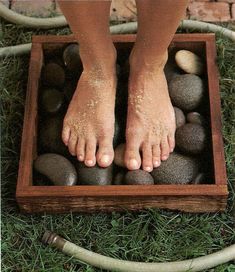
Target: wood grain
{"x": 61, "y": 199}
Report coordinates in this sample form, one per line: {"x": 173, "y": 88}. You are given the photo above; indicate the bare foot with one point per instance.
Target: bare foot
{"x": 89, "y": 121}
{"x": 151, "y": 120}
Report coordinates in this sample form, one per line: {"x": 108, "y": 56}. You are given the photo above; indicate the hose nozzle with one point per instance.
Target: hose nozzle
{"x": 53, "y": 239}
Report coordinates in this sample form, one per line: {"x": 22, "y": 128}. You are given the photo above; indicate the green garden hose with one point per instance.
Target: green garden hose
{"x": 69, "y": 248}
{"x": 103, "y": 262}
{"x": 60, "y": 21}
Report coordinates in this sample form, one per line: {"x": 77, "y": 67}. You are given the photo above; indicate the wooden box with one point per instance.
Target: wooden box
{"x": 210, "y": 197}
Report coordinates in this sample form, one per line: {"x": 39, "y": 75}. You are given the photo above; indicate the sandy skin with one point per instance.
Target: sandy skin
{"x": 88, "y": 131}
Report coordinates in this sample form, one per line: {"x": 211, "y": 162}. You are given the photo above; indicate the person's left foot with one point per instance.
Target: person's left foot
{"x": 151, "y": 120}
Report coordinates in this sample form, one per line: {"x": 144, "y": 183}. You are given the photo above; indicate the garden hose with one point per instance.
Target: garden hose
{"x": 60, "y": 21}
{"x": 103, "y": 262}
{"x": 69, "y": 248}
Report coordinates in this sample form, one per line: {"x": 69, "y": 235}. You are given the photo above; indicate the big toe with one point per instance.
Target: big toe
{"x": 105, "y": 152}
{"x": 132, "y": 155}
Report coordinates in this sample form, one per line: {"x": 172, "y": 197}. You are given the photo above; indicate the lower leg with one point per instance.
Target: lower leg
{"x": 89, "y": 121}
{"x": 150, "y": 113}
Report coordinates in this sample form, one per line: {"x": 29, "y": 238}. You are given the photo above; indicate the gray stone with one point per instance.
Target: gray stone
{"x": 119, "y": 153}
{"x": 53, "y": 75}
{"x": 94, "y": 175}
{"x": 138, "y": 177}
{"x": 177, "y": 169}
{"x": 57, "y": 169}
{"x": 200, "y": 179}
{"x": 72, "y": 58}
{"x": 191, "y": 138}
{"x": 196, "y": 118}
{"x": 119, "y": 178}
{"x": 50, "y": 136}
{"x": 69, "y": 89}
{"x": 186, "y": 91}
{"x": 179, "y": 117}
{"x": 51, "y": 101}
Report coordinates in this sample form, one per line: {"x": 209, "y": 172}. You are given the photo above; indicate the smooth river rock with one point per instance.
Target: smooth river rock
{"x": 69, "y": 89}
{"x": 186, "y": 91}
{"x": 179, "y": 117}
{"x": 200, "y": 179}
{"x": 119, "y": 177}
{"x": 57, "y": 169}
{"x": 50, "y": 139}
{"x": 138, "y": 177}
{"x": 94, "y": 175}
{"x": 177, "y": 169}
{"x": 191, "y": 138}
{"x": 189, "y": 62}
{"x": 119, "y": 153}
{"x": 53, "y": 75}
{"x": 195, "y": 118}
{"x": 51, "y": 101}
{"x": 72, "y": 58}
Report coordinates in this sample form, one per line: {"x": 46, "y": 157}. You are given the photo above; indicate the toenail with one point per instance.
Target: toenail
{"x": 133, "y": 164}
{"x": 164, "y": 158}
{"x": 80, "y": 157}
{"x": 105, "y": 159}
{"x": 156, "y": 163}
{"x": 172, "y": 149}
{"x": 89, "y": 162}
{"x": 148, "y": 169}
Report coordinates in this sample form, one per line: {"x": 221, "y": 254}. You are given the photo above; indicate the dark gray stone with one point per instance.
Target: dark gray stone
{"x": 53, "y": 75}
{"x": 50, "y": 136}
{"x": 119, "y": 178}
{"x": 57, "y": 169}
{"x": 177, "y": 169}
{"x": 72, "y": 58}
{"x": 196, "y": 118}
{"x": 51, "y": 101}
{"x": 179, "y": 117}
{"x": 186, "y": 91}
{"x": 200, "y": 179}
{"x": 191, "y": 138}
{"x": 94, "y": 175}
{"x": 138, "y": 177}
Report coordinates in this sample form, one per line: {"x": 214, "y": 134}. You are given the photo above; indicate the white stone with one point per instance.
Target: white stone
{"x": 189, "y": 62}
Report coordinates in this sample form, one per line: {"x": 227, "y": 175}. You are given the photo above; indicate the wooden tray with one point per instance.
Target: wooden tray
{"x": 60, "y": 199}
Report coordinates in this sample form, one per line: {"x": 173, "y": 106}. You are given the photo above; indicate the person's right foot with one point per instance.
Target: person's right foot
{"x": 89, "y": 121}
{"x": 151, "y": 120}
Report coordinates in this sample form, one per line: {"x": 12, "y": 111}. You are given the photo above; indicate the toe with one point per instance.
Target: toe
{"x": 72, "y": 144}
{"x": 105, "y": 152}
{"x": 81, "y": 149}
{"x": 156, "y": 155}
{"x": 132, "y": 155}
{"x": 164, "y": 149}
{"x": 90, "y": 159}
{"x": 147, "y": 161}
{"x": 66, "y": 134}
{"x": 171, "y": 141}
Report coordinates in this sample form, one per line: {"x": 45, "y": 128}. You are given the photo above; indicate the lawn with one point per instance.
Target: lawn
{"x": 151, "y": 235}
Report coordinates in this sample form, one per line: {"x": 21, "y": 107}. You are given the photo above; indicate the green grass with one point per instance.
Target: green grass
{"x": 150, "y": 235}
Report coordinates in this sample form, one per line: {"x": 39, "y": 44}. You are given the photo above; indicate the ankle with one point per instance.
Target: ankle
{"x": 140, "y": 62}
{"x": 98, "y": 59}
